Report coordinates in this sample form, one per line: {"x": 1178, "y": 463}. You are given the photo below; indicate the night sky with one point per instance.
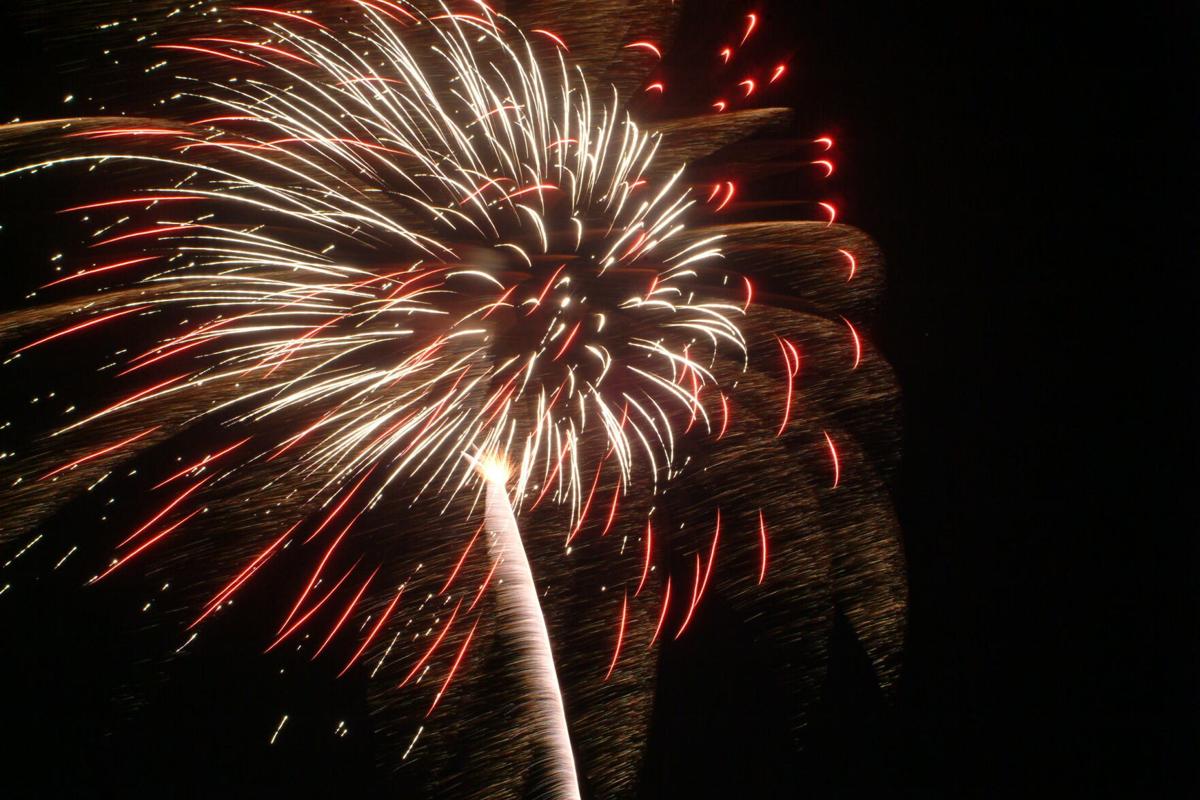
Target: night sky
{"x": 1014, "y": 161}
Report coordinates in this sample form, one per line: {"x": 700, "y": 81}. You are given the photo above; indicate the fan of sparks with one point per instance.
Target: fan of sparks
{"x": 418, "y": 249}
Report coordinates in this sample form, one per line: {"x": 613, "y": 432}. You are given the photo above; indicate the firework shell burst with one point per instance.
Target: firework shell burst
{"x": 385, "y": 256}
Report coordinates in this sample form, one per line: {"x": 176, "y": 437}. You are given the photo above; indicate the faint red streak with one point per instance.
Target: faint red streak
{"x": 620, "y": 637}
{"x": 662, "y": 615}
{"x": 649, "y": 552}
{"x": 81, "y": 326}
{"x": 99, "y": 453}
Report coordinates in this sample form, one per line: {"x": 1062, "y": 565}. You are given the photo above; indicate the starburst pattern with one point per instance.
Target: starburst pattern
{"x": 390, "y": 247}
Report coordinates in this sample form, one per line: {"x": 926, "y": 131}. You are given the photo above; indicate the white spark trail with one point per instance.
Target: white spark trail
{"x": 520, "y": 614}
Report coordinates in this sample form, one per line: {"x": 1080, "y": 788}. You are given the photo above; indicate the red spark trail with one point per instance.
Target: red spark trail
{"x": 160, "y": 198}
{"x": 751, "y": 24}
{"x": 857, "y": 343}
{"x": 699, "y": 586}
{"x": 730, "y": 190}
{"x": 208, "y": 459}
{"x": 308, "y": 614}
{"x": 166, "y": 510}
{"x": 612, "y": 512}
{"x": 853, "y": 263}
{"x": 80, "y": 326}
{"x": 649, "y": 551}
{"x": 588, "y": 504}
{"x": 143, "y": 546}
{"x": 317, "y": 572}
{"x": 256, "y": 46}
{"x": 553, "y": 475}
{"x": 712, "y": 557}
{"x": 662, "y": 616}
{"x": 370, "y": 636}
{"x": 620, "y": 637}
{"x": 346, "y": 613}
{"x": 146, "y": 232}
{"x": 832, "y": 212}
{"x": 837, "y": 467}
{"x": 445, "y": 629}
{"x": 461, "y": 559}
{"x": 692, "y": 605}
{"x": 98, "y": 453}
{"x": 98, "y": 270}
{"x": 653, "y": 48}
{"x": 458, "y": 660}
{"x": 483, "y": 187}
{"x": 162, "y": 356}
{"x": 499, "y": 302}
{"x": 551, "y": 36}
{"x": 133, "y": 398}
{"x": 268, "y": 48}
{"x": 242, "y": 576}
{"x": 483, "y": 586}
{"x": 762, "y": 536}
{"x": 541, "y": 187}
{"x": 789, "y": 353}
{"x": 207, "y": 51}
{"x": 337, "y": 509}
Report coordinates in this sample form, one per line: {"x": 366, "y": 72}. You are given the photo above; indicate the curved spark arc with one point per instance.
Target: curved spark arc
{"x": 520, "y": 615}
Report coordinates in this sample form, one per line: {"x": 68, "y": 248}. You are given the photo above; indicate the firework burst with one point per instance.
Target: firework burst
{"x": 398, "y": 272}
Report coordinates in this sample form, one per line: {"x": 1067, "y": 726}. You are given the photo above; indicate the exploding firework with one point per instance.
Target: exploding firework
{"x": 424, "y": 323}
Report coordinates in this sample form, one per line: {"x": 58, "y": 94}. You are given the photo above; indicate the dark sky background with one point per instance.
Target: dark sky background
{"x": 1016, "y": 162}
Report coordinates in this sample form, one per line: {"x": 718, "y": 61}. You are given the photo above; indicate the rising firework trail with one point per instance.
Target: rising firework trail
{"x": 520, "y": 616}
